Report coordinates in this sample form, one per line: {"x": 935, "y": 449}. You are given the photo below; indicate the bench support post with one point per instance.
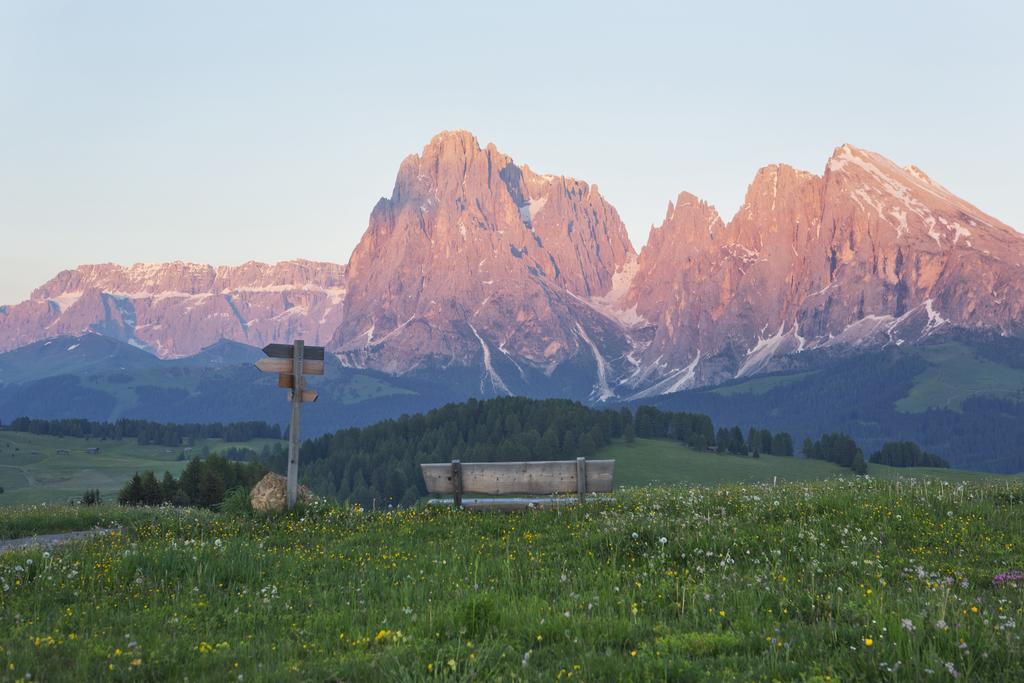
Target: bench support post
{"x": 457, "y": 482}
{"x": 581, "y": 479}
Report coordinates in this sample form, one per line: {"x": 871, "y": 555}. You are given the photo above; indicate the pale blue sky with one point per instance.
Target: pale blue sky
{"x": 226, "y": 131}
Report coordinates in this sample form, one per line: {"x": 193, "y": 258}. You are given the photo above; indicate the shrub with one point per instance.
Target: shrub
{"x": 236, "y": 502}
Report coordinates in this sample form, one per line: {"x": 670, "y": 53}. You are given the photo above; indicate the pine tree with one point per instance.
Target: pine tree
{"x": 189, "y": 480}
{"x": 150, "y": 489}
{"x": 410, "y": 497}
{"x": 211, "y": 488}
{"x": 570, "y": 444}
{"x": 626, "y": 416}
{"x": 724, "y": 440}
{"x": 739, "y": 447}
{"x": 131, "y": 494}
{"x": 549, "y": 443}
{"x": 782, "y": 444}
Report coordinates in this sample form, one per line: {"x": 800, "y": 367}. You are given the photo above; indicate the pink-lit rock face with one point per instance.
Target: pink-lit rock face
{"x": 481, "y": 265}
{"x": 867, "y": 254}
{"x": 474, "y": 257}
{"x": 177, "y": 309}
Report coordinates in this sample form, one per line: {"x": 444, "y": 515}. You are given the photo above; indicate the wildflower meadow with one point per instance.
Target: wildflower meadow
{"x": 846, "y": 579}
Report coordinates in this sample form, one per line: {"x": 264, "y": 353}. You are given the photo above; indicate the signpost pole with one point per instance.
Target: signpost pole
{"x": 291, "y": 363}
{"x": 293, "y": 431}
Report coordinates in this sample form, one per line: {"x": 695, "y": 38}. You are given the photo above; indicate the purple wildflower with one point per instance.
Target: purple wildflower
{"x": 1014, "y": 576}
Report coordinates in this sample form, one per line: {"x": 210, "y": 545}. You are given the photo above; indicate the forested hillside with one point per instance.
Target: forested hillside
{"x": 379, "y": 464}
{"x": 962, "y": 403}
{"x": 147, "y": 432}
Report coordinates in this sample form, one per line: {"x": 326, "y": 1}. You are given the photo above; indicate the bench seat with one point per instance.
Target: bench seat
{"x": 547, "y": 478}
{"x": 507, "y": 504}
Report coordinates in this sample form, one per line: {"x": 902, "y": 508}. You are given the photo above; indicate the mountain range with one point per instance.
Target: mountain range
{"x": 481, "y": 274}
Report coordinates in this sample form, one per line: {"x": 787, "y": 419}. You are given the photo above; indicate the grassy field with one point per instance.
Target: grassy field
{"x": 23, "y": 521}
{"x": 363, "y": 388}
{"x": 650, "y": 461}
{"x": 31, "y": 471}
{"x": 845, "y": 579}
{"x": 760, "y": 385}
{"x": 956, "y": 373}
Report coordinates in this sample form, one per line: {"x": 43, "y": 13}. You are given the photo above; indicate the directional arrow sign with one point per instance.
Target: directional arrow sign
{"x": 286, "y": 365}
{"x": 288, "y": 351}
{"x": 290, "y": 362}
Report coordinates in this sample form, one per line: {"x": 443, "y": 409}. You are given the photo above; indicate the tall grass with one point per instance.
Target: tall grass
{"x": 32, "y": 520}
{"x": 840, "y": 580}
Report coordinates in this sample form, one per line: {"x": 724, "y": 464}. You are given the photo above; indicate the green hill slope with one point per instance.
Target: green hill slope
{"x": 654, "y": 461}
{"x": 33, "y": 471}
{"x": 956, "y": 373}
{"x": 962, "y": 398}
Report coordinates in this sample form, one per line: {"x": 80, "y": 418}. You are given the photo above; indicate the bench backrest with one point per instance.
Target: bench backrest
{"x": 578, "y": 476}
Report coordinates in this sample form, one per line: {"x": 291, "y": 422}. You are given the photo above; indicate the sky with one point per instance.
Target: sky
{"x": 221, "y": 132}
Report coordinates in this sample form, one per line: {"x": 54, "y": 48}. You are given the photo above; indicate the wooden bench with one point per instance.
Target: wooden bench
{"x": 548, "y": 478}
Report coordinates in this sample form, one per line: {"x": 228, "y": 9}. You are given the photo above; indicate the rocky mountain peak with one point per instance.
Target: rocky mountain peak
{"x": 504, "y": 279}
{"x": 869, "y": 253}
{"x": 475, "y": 257}
{"x": 176, "y": 309}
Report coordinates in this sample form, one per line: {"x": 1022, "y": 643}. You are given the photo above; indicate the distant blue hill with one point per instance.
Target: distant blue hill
{"x": 100, "y": 378}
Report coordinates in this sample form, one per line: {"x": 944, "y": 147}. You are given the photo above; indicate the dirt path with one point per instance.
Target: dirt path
{"x": 47, "y": 540}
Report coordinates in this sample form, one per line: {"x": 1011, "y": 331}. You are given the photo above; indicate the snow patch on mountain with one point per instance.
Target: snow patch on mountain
{"x": 677, "y": 380}
{"x": 862, "y": 332}
{"x": 959, "y": 231}
{"x": 528, "y": 211}
{"x": 765, "y": 349}
{"x": 935, "y": 319}
{"x": 602, "y": 392}
{"x": 66, "y": 300}
{"x": 608, "y": 304}
{"x": 497, "y": 384}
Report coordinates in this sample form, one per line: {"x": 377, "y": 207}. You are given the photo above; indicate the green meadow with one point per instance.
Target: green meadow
{"x": 954, "y": 373}
{"x": 33, "y": 471}
{"x": 835, "y": 580}
{"x": 655, "y": 461}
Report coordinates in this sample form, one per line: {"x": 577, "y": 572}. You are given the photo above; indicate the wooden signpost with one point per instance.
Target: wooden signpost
{"x": 292, "y": 362}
